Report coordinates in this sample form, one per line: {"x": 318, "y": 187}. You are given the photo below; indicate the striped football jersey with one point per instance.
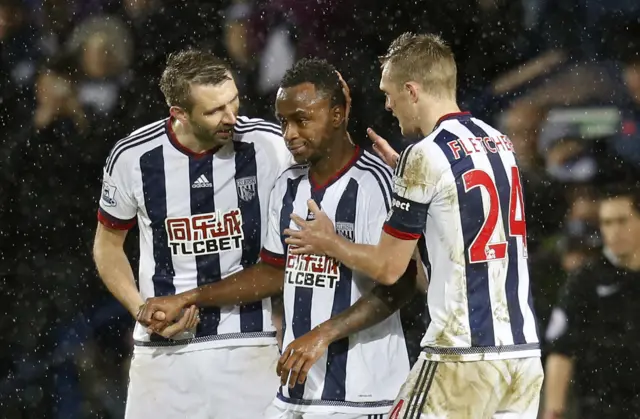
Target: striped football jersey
{"x": 200, "y": 218}
{"x": 460, "y": 187}
{"x": 362, "y": 373}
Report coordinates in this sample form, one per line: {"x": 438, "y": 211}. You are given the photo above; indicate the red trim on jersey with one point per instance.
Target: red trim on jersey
{"x": 339, "y": 173}
{"x": 272, "y": 259}
{"x": 173, "y": 139}
{"x": 451, "y": 116}
{"x": 110, "y": 221}
{"x": 400, "y": 234}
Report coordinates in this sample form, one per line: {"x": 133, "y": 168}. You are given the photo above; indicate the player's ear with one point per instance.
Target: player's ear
{"x": 337, "y": 115}
{"x": 178, "y": 113}
{"x": 412, "y": 88}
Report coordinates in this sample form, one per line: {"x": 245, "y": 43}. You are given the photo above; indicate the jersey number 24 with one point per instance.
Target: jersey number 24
{"x": 481, "y": 250}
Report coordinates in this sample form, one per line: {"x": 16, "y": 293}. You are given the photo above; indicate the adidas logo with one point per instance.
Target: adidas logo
{"x": 202, "y": 182}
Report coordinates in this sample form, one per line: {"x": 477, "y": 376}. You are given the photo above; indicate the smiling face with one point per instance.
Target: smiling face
{"x": 306, "y": 120}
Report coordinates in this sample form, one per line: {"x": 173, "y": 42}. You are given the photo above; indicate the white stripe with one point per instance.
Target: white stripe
{"x": 226, "y": 198}
{"x": 529, "y": 324}
{"x": 243, "y": 121}
{"x": 247, "y": 130}
{"x": 115, "y": 155}
{"x": 135, "y": 137}
{"x": 177, "y": 195}
{"x": 382, "y": 173}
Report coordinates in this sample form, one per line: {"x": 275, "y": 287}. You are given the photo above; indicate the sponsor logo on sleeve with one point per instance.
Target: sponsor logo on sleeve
{"x": 404, "y": 206}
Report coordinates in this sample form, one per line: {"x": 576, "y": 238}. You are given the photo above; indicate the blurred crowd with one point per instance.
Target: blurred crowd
{"x": 560, "y": 77}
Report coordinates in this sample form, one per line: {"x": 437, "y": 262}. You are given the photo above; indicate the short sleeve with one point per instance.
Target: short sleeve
{"x": 269, "y": 136}
{"x": 565, "y": 328}
{"x": 377, "y": 209}
{"x": 273, "y": 252}
{"x": 118, "y": 207}
{"x": 414, "y": 184}
{"x": 282, "y": 155}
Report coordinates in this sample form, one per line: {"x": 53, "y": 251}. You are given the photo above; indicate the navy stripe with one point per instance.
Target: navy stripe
{"x": 504, "y": 194}
{"x": 132, "y": 137}
{"x": 386, "y": 171}
{"x": 259, "y": 129}
{"x": 244, "y": 120}
{"x": 336, "y": 376}
{"x": 154, "y": 190}
{"x": 150, "y": 136}
{"x": 285, "y": 221}
{"x": 142, "y": 132}
{"x": 471, "y": 219}
{"x": 402, "y": 163}
{"x": 416, "y": 387}
{"x": 424, "y": 255}
{"x": 387, "y": 198}
{"x": 330, "y": 403}
{"x": 420, "y": 392}
{"x": 301, "y": 322}
{"x": 287, "y": 208}
{"x": 383, "y": 178}
{"x": 427, "y": 388}
{"x": 249, "y": 205}
{"x": 269, "y": 125}
{"x": 208, "y": 266}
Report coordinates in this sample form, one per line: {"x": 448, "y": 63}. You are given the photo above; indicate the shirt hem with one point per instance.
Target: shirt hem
{"x": 480, "y": 354}
{"x": 205, "y": 342}
{"x": 328, "y": 406}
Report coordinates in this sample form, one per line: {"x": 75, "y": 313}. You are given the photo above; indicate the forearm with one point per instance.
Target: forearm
{"x": 247, "y": 286}
{"x": 116, "y": 273}
{"x": 558, "y": 372}
{"x": 372, "y": 308}
{"x": 358, "y": 257}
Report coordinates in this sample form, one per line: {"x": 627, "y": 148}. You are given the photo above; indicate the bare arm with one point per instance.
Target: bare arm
{"x": 558, "y": 372}
{"x": 372, "y": 308}
{"x": 247, "y": 286}
{"x": 384, "y": 262}
{"x": 114, "y": 267}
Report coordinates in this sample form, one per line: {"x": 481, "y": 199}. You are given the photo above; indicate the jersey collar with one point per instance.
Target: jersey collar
{"x": 338, "y": 174}
{"x": 454, "y": 115}
{"x": 173, "y": 139}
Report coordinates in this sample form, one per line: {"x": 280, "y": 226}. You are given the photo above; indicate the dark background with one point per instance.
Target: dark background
{"x": 76, "y": 76}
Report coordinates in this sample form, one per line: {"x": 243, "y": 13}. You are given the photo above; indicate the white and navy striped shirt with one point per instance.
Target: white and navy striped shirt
{"x": 362, "y": 373}
{"x": 461, "y": 188}
{"x": 200, "y": 218}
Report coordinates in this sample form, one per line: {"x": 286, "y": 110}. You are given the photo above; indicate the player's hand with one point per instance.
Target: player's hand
{"x": 298, "y": 358}
{"x": 347, "y": 95}
{"x": 189, "y": 320}
{"x": 313, "y": 236}
{"x": 383, "y": 149}
{"x": 157, "y": 313}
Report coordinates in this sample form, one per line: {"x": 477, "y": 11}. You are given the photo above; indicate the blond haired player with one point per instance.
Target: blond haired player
{"x": 459, "y": 186}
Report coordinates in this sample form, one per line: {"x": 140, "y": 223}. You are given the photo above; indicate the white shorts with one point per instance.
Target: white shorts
{"x": 499, "y": 389}
{"x": 276, "y": 412}
{"x": 220, "y": 383}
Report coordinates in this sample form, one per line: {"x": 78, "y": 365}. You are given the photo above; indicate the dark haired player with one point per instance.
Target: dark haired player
{"x": 345, "y": 354}
{"x": 459, "y": 188}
